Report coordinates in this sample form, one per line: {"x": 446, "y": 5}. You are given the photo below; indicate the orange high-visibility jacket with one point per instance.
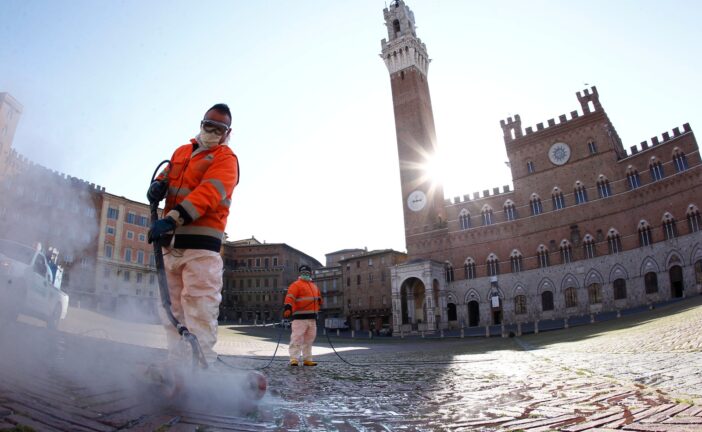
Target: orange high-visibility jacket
{"x": 304, "y": 299}
{"x": 200, "y": 186}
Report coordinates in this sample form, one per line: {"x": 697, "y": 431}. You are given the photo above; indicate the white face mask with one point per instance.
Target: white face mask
{"x": 208, "y": 139}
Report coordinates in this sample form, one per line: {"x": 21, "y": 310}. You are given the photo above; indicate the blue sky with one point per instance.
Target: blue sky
{"x": 111, "y": 88}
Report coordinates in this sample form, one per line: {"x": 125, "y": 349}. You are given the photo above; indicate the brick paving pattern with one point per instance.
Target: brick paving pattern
{"x": 640, "y": 373}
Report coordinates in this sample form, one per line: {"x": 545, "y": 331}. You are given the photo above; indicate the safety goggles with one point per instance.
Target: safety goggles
{"x": 211, "y": 126}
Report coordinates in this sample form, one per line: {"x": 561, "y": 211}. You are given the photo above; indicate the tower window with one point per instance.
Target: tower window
{"x": 536, "y": 207}
{"x": 580, "y": 193}
{"x": 530, "y": 167}
{"x": 603, "y": 188}
{"x": 558, "y": 200}
{"x": 592, "y": 147}
{"x": 396, "y": 26}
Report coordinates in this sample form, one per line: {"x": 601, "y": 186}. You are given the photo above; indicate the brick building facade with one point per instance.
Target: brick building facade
{"x": 588, "y": 228}
{"x": 367, "y": 292}
{"x": 125, "y": 275}
{"x": 256, "y": 278}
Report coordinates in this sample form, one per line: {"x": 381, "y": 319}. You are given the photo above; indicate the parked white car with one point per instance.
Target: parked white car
{"x": 29, "y": 285}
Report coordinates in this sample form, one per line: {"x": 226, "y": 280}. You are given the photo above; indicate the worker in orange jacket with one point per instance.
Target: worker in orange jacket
{"x": 198, "y": 186}
{"x": 302, "y": 304}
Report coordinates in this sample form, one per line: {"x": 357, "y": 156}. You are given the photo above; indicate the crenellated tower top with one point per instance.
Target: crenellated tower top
{"x": 403, "y": 49}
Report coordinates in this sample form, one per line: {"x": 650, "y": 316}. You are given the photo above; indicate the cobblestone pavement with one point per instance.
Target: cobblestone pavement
{"x": 641, "y": 373}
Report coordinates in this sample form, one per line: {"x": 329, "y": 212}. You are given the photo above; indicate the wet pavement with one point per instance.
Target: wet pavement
{"x": 641, "y": 372}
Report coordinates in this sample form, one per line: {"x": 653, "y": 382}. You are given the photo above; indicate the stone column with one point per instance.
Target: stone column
{"x": 429, "y": 301}
{"x": 396, "y": 311}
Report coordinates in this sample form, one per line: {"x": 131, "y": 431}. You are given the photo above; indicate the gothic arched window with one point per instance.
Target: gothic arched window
{"x": 603, "y": 188}
{"x": 542, "y": 254}
{"x": 469, "y": 268}
{"x": 669, "y": 228}
{"x": 557, "y": 198}
{"x": 487, "y": 215}
{"x": 679, "y": 160}
{"x": 535, "y": 204}
{"x": 448, "y": 268}
{"x": 515, "y": 260}
{"x": 580, "y": 193}
{"x": 655, "y": 167}
{"x": 493, "y": 265}
{"x": 632, "y": 178}
{"x": 614, "y": 241}
{"x": 510, "y": 211}
{"x": 566, "y": 252}
{"x": 589, "y": 246}
{"x": 645, "y": 237}
{"x": 464, "y": 219}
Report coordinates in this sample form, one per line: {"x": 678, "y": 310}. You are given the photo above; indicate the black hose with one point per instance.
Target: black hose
{"x": 198, "y": 356}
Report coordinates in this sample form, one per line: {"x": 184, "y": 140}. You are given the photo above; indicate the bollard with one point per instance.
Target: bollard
{"x": 370, "y": 334}
{"x": 441, "y": 334}
{"x": 353, "y": 334}
{"x": 255, "y": 321}
{"x": 239, "y": 321}
{"x": 536, "y": 327}
{"x": 519, "y": 329}
{"x": 462, "y": 333}
{"x": 619, "y": 313}
{"x": 337, "y": 332}
{"x": 502, "y": 330}
{"x": 422, "y": 334}
{"x": 487, "y": 331}
{"x": 565, "y": 322}
{"x": 592, "y": 318}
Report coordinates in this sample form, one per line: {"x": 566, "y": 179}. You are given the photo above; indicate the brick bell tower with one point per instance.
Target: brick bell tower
{"x": 406, "y": 58}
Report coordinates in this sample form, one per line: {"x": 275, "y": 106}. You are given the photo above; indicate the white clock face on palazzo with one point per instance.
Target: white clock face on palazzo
{"x": 559, "y": 153}
{"x": 416, "y": 200}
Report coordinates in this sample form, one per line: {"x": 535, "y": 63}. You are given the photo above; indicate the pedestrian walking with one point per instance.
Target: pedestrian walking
{"x": 302, "y": 304}
{"x": 198, "y": 186}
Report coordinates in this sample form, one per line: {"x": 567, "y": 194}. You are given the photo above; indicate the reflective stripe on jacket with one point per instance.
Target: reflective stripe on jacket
{"x": 200, "y": 186}
{"x": 304, "y": 298}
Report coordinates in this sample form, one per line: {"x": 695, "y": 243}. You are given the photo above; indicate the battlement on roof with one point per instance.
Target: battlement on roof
{"x": 478, "y": 196}
{"x": 656, "y": 141}
{"x": 25, "y": 164}
{"x": 589, "y": 103}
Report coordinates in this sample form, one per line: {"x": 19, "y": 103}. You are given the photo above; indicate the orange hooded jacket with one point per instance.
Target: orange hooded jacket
{"x": 200, "y": 186}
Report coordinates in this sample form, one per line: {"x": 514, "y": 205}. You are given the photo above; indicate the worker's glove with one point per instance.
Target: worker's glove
{"x": 157, "y": 191}
{"x": 161, "y": 227}
{"x": 287, "y": 313}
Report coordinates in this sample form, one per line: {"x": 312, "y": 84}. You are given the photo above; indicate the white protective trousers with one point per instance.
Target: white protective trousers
{"x": 304, "y": 332}
{"x": 195, "y": 285}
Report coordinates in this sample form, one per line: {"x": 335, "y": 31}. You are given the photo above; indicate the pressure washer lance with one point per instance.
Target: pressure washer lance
{"x": 198, "y": 356}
